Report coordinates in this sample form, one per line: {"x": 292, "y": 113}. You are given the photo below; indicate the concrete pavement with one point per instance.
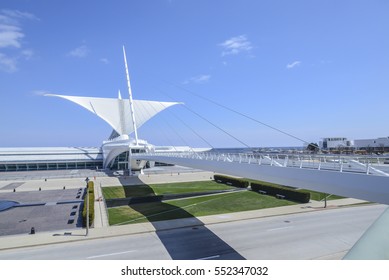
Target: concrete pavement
{"x": 101, "y": 226}
{"x": 58, "y": 183}
{"x": 103, "y": 231}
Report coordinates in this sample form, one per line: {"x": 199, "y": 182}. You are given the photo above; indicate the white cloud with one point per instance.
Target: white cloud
{"x": 201, "y": 79}
{"x": 28, "y": 54}
{"x": 10, "y": 36}
{"x": 11, "y": 33}
{"x": 236, "y": 45}
{"x": 7, "y": 64}
{"x": 11, "y": 39}
{"x": 40, "y": 92}
{"x": 293, "y": 64}
{"x": 81, "y": 51}
{"x": 104, "y": 60}
{"x": 14, "y": 14}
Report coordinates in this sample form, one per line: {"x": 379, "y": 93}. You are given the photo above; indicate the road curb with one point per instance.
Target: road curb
{"x": 145, "y": 228}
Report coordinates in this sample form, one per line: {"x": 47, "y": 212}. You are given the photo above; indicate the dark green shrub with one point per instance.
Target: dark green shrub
{"x": 91, "y": 205}
{"x": 289, "y": 193}
{"x": 236, "y": 182}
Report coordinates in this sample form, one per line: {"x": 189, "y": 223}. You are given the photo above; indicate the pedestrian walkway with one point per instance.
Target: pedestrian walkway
{"x": 101, "y": 230}
{"x": 101, "y": 215}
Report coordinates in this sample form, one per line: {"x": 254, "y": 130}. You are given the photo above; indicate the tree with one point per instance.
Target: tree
{"x": 313, "y": 147}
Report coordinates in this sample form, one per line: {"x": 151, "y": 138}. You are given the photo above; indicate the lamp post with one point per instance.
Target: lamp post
{"x": 87, "y": 206}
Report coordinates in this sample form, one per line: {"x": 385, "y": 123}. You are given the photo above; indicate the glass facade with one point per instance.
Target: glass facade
{"x": 63, "y": 159}
{"x": 121, "y": 161}
{"x": 7, "y": 167}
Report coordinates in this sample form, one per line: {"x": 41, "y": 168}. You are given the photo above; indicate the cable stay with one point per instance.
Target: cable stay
{"x": 208, "y": 121}
{"x": 191, "y": 129}
{"x": 174, "y": 130}
{"x": 236, "y": 112}
{"x": 176, "y": 133}
{"x": 216, "y": 126}
{"x": 211, "y": 123}
{"x": 231, "y": 110}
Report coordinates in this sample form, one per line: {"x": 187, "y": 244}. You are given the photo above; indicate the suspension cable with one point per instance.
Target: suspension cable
{"x": 208, "y": 121}
{"x": 235, "y": 111}
{"x": 190, "y": 128}
{"x": 221, "y": 129}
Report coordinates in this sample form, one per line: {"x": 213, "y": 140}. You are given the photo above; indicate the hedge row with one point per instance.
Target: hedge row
{"x": 239, "y": 183}
{"x": 290, "y": 194}
{"x": 91, "y": 205}
{"x": 268, "y": 188}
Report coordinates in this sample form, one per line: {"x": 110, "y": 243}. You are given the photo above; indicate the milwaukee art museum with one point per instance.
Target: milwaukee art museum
{"x": 113, "y": 154}
{"x": 125, "y": 116}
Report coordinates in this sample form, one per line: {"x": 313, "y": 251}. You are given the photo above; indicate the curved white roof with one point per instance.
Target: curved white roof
{"x": 116, "y": 112}
{"x": 49, "y": 154}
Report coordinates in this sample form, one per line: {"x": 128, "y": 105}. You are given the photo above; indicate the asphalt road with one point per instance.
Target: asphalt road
{"x": 313, "y": 235}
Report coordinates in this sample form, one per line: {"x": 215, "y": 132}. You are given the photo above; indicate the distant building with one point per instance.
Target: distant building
{"x": 380, "y": 144}
{"x": 335, "y": 143}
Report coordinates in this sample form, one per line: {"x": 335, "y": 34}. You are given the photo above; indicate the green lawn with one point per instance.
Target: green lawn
{"x": 192, "y": 207}
{"x": 126, "y": 191}
{"x": 162, "y": 189}
{"x": 189, "y": 207}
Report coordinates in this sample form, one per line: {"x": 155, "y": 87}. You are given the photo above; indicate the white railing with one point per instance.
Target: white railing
{"x": 341, "y": 163}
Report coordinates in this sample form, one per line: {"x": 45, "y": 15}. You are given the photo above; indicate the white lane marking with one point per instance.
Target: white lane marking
{"x": 211, "y": 257}
{"x": 113, "y": 254}
{"x": 280, "y": 228}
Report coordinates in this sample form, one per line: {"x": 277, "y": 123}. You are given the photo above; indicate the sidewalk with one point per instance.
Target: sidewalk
{"x": 102, "y": 230}
{"x": 75, "y": 183}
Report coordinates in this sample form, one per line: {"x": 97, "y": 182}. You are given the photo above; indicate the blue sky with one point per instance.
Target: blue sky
{"x": 311, "y": 68}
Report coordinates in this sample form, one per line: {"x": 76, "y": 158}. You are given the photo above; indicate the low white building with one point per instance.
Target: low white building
{"x": 376, "y": 144}
{"x": 380, "y": 142}
{"x": 335, "y": 143}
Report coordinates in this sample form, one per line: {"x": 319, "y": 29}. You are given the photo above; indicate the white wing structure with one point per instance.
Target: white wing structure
{"x": 117, "y": 112}
{"x": 125, "y": 116}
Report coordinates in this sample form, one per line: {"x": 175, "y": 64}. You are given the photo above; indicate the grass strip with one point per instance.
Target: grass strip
{"x": 193, "y": 207}
{"x": 162, "y": 189}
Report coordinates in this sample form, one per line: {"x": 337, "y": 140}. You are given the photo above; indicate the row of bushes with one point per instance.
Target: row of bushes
{"x": 268, "y": 188}
{"x": 91, "y": 191}
{"x": 236, "y": 182}
{"x": 288, "y": 193}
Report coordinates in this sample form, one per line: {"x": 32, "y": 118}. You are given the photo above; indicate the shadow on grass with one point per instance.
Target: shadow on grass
{"x": 138, "y": 190}
{"x": 190, "y": 238}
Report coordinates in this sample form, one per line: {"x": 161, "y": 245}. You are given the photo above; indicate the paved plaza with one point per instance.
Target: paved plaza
{"x": 42, "y": 210}
{"x": 51, "y": 218}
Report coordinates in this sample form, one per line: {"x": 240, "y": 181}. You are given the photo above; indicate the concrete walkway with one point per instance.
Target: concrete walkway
{"x": 101, "y": 226}
{"x": 101, "y": 230}
{"x": 56, "y": 183}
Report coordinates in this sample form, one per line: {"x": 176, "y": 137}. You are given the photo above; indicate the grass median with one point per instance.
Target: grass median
{"x": 188, "y": 207}
{"x": 193, "y": 207}
{"x": 162, "y": 189}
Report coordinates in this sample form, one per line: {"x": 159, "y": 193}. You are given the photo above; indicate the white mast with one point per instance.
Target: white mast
{"x": 130, "y": 95}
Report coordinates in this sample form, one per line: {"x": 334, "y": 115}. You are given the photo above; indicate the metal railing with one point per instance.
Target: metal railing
{"x": 371, "y": 165}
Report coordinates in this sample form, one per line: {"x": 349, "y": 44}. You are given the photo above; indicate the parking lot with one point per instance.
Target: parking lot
{"x": 48, "y": 210}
